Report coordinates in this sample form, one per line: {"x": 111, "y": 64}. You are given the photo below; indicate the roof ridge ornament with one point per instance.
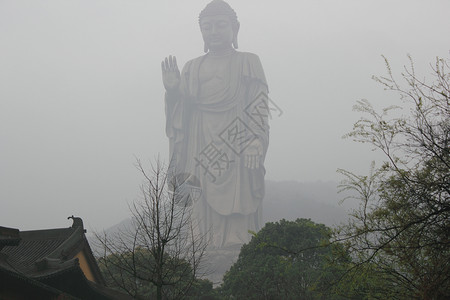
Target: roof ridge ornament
{"x": 77, "y": 221}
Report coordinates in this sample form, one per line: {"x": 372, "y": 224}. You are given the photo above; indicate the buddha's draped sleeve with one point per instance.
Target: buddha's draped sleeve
{"x": 256, "y": 104}
{"x": 255, "y": 113}
{"x": 175, "y": 102}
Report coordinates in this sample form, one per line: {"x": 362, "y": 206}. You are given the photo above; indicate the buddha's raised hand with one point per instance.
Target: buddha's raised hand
{"x": 170, "y": 73}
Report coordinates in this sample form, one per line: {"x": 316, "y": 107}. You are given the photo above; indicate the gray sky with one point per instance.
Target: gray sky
{"x": 81, "y": 93}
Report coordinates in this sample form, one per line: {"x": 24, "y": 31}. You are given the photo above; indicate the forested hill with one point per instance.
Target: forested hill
{"x": 318, "y": 201}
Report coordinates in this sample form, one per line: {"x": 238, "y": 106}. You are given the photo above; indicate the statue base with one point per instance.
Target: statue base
{"x": 219, "y": 261}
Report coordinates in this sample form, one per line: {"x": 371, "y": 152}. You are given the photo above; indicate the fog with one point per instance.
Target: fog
{"x": 81, "y": 95}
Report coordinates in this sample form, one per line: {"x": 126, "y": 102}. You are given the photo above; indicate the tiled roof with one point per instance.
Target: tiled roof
{"x": 47, "y": 259}
{"x": 8, "y": 236}
{"x": 36, "y": 245}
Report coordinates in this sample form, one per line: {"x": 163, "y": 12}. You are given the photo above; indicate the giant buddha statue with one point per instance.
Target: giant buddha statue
{"x": 217, "y": 125}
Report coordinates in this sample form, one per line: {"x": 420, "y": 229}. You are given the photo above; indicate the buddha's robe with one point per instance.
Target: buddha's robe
{"x": 211, "y": 121}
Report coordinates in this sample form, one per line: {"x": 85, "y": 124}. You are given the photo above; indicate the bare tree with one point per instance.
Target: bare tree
{"x": 159, "y": 252}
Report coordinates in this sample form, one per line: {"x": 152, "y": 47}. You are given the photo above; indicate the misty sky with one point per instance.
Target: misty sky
{"x": 81, "y": 93}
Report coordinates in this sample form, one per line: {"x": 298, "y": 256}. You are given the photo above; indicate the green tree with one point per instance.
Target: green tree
{"x": 112, "y": 269}
{"x": 285, "y": 260}
{"x": 402, "y": 229}
{"x": 160, "y": 251}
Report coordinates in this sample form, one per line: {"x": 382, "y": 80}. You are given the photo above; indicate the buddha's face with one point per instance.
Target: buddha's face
{"x": 217, "y": 32}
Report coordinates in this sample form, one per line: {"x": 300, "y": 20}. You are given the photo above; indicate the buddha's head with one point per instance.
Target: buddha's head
{"x": 219, "y": 26}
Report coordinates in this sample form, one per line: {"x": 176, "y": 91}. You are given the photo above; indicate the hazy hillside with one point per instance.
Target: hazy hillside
{"x": 318, "y": 201}
{"x": 291, "y": 200}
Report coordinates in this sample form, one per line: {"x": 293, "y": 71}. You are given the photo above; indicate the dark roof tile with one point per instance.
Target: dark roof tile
{"x": 35, "y": 245}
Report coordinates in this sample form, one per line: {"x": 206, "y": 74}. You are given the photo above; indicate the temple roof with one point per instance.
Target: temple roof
{"x": 48, "y": 259}
{"x": 9, "y": 237}
{"x": 44, "y": 252}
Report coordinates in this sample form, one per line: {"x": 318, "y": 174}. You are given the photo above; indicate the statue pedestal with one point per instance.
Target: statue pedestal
{"x": 218, "y": 261}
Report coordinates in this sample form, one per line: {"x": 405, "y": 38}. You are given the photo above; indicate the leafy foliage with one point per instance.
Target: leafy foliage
{"x": 139, "y": 278}
{"x": 285, "y": 260}
{"x": 402, "y": 229}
